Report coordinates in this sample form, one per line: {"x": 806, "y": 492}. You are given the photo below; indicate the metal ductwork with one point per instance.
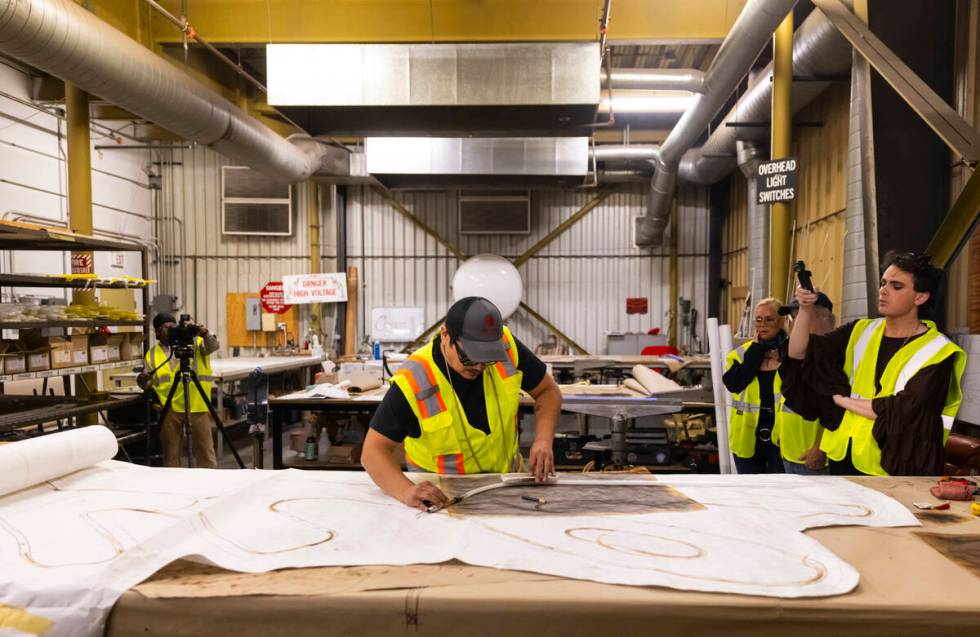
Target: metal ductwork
{"x": 63, "y": 39}
{"x": 624, "y": 154}
{"x": 749, "y": 155}
{"x": 742, "y": 45}
{"x": 654, "y": 79}
{"x": 818, "y": 51}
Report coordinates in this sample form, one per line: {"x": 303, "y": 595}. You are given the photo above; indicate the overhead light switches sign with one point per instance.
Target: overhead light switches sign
{"x": 777, "y": 181}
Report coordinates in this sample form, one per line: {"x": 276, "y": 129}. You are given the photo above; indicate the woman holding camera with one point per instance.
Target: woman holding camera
{"x": 753, "y": 379}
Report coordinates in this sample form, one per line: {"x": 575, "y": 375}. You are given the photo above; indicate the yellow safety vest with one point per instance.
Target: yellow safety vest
{"x": 793, "y": 434}
{"x": 743, "y": 417}
{"x": 163, "y": 379}
{"x": 448, "y": 444}
{"x": 860, "y": 363}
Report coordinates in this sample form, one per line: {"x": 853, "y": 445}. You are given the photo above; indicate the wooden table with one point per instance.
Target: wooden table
{"x": 908, "y": 588}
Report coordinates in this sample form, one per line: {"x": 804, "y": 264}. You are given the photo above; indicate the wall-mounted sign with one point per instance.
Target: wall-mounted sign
{"x": 81, "y": 263}
{"x": 637, "y": 305}
{"x": 329, "y": 287}
{"x": 777, "y": 180}
{"x": 397, "y": 324}
{"x": 272, "y": 298}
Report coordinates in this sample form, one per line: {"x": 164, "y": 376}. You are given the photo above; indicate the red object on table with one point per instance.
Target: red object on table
{"x": 659, "y": 350}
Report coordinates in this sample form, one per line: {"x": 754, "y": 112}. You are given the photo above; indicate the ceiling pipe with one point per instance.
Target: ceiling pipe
{"x": 819, "y": 51}
{"x": 63, "y": 39}
{"x": 740, "y": 49}
{"x": 654, "y": 79}
{"x": 624, "y": 153}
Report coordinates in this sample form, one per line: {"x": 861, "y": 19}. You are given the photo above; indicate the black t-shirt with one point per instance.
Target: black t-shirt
{"x": 394, "y": 418}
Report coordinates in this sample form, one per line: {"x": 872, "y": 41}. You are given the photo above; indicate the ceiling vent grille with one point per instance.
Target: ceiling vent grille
{"x": 494, "y": 212}
{"x": 254, "y": 204}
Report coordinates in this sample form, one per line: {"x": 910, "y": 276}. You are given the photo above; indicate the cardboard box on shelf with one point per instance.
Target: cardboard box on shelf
{"x": 344, "y": 454}
{"x": 13, "y": 359}
{"x": 114, "y": 347}
{"x": 98, "y": 349}
{"x": 79, "y": 350}
{"x": 39, "y": 359}
{"x": 60, "y": 348}
{"x": 131, "y": 347}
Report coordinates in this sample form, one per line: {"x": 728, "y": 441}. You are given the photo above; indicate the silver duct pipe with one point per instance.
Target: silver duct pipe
{"x": 818, "y": 51}
{"x": 740, "y": 49}
{"x": 749, "y": 155}
{"x": 654, "y": 79}
{"x": 624, "y": 153}
{"x": 65, "y": 40}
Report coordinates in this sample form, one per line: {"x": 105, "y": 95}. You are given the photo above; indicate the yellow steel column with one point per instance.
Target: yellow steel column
{"x": 80, "y": 209}
{"x": 313, "y": 210}
{"x": 674, "y": 285}
{"x": 781, "y": 220}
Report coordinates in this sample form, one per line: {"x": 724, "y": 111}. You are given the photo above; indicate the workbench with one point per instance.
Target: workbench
{"x": 368, "y": 401}
{"x": 907, "y": 588}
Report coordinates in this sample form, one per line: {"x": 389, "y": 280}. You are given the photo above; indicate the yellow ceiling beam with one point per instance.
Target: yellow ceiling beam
{"x": 262, "y": 21}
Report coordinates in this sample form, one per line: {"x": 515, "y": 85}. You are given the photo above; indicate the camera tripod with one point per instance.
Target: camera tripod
{"x": 185, "y": 376}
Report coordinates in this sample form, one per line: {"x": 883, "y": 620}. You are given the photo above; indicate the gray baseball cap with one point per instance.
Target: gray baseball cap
{"x": 476, "y": 323}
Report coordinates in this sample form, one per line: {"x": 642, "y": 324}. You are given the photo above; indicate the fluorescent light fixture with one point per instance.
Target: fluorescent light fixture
{"x": 647, "y": 101}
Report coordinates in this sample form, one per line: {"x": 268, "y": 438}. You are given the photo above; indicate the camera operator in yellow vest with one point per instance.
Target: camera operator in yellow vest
{"x": 895, "y": 380}
{"x": 751, "y": 375}
{"x": 453, "y": 406}
{"x": 161, "y": 373}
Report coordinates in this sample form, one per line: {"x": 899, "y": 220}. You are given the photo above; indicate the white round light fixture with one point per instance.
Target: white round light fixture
{"x": 492, "y": 277}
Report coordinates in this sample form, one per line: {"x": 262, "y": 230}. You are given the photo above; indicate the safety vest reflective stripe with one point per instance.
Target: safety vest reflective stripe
{"x": 424, "y": 385}
{"x": 741, "y": 405}
{"x": 948, "y": 422}
{"x": 862, "y": 345}
{"x": 920, "y": 358}
{"x": 451, "y": 464}
{"x": 507, "y": 367}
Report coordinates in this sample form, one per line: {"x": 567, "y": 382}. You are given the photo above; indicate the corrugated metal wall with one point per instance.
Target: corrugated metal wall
{"x": 735, "y": 252}
{"x": 819, "y": 210}
{"x": 579, "y": 282}
{"x": 200, "y": 265}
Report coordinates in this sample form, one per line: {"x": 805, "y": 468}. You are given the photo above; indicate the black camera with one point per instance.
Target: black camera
{"x": 181, "y": 336}
{"x": 804, "y": 276}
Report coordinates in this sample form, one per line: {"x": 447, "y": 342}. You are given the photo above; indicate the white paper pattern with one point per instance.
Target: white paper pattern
{"x": 71, "y": 546}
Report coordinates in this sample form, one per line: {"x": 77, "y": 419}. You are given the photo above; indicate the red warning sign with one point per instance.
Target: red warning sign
{"x": 273, "y": 300}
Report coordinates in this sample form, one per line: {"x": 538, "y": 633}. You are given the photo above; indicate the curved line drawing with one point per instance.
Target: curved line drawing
{"x": 818, "y": 569}
{"x": 600, "y": 539}
{"x": 26, "y": 552}
{"x": 329, "y": 535}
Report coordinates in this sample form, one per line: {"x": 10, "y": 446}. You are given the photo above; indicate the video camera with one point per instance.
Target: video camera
{"x": 181, "y": 337}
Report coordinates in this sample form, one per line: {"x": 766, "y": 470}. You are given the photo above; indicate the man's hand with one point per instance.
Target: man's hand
{"x": 422, "y": 495}
{"x": 143, "y": 380}
{"x": 806, "y": 298}
{"x": 541, "y": 462}
{"x": 814, "y": 459}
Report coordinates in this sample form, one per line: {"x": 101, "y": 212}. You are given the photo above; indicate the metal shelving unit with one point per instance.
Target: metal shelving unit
{"x": 70, "y": 371}
{"x": 64, "y": 409}
{"x": 40, "y": 281}
{"x": 27, "y": 325}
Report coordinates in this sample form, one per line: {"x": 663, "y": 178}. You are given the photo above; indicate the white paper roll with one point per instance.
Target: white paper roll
{"x": 30, "y": 462}
{"x": 632, "y": 384}
{"x": 654, "y": 382}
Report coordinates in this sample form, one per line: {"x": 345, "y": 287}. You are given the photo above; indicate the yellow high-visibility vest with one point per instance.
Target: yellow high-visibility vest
{"x": 793, "y": 434}
{"x": 743, "y": 417}
{"x": 163, "y": 378}
{"x": 860, "y": 362}
{"x": 448, "y": 443}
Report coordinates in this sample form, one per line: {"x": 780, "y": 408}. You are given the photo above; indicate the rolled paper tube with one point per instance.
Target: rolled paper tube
{"x": 654, "y": 382}
{"x": 630, "y": 383}
{"x": 27, "y": 463}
